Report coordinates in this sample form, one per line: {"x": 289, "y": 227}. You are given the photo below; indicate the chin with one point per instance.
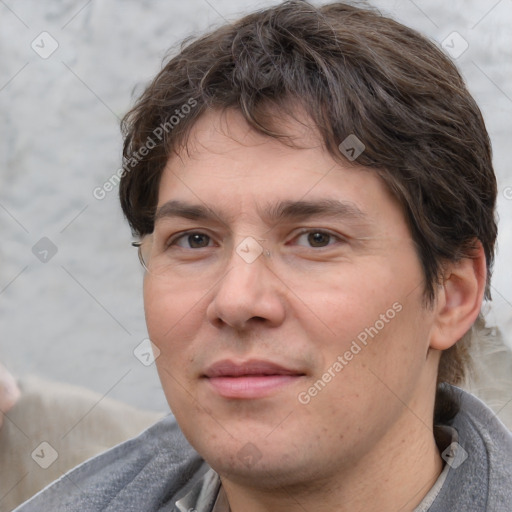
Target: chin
{"x": 264, "y": 476}
{"x": 264, "y": 468}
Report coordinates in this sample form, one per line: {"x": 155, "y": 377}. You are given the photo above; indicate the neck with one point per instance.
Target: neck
{"x": 395, "y": 475}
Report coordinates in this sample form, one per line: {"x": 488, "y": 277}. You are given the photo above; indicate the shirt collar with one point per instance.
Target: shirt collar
{"x": 206, "y": 496}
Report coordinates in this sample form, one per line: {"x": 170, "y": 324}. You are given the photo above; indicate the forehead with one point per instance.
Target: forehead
{"x": 227, "y": 165}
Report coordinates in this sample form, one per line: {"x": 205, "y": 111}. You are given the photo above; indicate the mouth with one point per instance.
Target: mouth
{"x": 249, "y": 379}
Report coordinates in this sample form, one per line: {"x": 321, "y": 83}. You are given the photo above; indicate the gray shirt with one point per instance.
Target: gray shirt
{"x": 159, "y": 471}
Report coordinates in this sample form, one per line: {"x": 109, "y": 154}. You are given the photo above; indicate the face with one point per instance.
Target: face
{"x": 286, "y": 299}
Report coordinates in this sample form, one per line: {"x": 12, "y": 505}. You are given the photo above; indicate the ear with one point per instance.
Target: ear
{"x": 459, "y": 299}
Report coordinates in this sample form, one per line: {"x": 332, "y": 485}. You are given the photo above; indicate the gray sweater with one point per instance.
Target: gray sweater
{"x": 158, "y": 468}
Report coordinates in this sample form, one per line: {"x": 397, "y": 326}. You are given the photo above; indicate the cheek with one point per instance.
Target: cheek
{"x": 353, "y": 301}
{"x": 373, "y": 317}
{"x": 173, "y": 319}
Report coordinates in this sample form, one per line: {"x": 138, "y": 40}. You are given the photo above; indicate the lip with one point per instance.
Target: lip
{"x": 249, "y": 379}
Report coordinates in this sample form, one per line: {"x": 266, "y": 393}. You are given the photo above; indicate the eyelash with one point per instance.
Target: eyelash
{"x": 177, "y": 237}
{"x": 336, "y": 237}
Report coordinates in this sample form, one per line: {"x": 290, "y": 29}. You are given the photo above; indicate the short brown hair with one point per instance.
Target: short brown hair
{"x": 354, "y": 72}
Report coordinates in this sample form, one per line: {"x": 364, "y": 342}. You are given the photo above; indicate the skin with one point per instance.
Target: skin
{"x": 365, "y": 441}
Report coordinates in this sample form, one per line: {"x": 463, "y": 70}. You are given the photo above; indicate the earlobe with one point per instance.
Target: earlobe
{"x": 459, "y": 299}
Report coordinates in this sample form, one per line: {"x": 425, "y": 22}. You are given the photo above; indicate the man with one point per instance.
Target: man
{"x": 314, "y": 196}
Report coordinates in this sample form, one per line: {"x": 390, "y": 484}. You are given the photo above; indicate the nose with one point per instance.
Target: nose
{"x": 249, "y": 293}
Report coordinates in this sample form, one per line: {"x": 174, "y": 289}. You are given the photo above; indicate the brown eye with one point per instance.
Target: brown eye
{"x": 318, "y": 239}
{"x": 192, "y": 241}
{"x": 198, "y": 240}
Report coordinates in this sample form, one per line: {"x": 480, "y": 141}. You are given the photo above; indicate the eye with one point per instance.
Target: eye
{"x": 191, "y": 240}
{"x": 317, "y": 238}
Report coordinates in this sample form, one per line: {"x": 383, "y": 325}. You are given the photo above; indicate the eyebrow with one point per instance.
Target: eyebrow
{"x": 281, "y": 211}
{"x": 300, "y": 210}
{"x": 185, "y": 210}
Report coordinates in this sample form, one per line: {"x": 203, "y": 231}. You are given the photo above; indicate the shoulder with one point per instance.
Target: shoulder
{"x": 480, "y": 478}
{"x": 487, "y": 435}
{"x": 144, "y": 473}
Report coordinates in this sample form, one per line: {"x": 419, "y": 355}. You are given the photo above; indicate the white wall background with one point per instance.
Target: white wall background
{"x": 78, "y": 317}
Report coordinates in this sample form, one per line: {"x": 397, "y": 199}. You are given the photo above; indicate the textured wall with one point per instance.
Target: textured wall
{"x": 78, "y": 316}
